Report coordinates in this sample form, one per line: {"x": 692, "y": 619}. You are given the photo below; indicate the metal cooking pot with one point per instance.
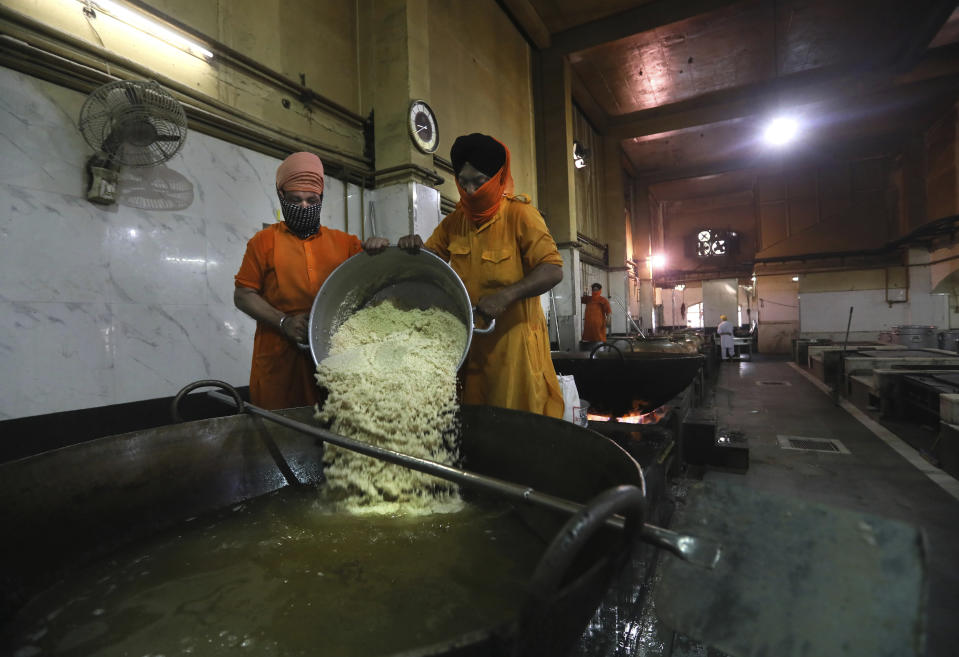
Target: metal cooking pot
{"x": 949, "y": 339}
{"x": 617, "y": 381}
{"x": 73, "y": 505}
{"x": 914, "y": 335}
{"x": 417, "y": 280}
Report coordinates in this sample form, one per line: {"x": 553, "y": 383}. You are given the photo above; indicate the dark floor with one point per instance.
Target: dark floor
{"x": 875, "y": 478}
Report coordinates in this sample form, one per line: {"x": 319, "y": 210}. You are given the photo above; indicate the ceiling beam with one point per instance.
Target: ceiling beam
{"x": 805, "y": 87}
{"x": 633, "y": 21}
{"x": 936, "y": 63}
{"x": 937, "y": 68}
{"x": 916, "y": 42}
{"x": 587, "y": 104}
{"x": 529, "y": 21}
{"x": 860, "y": 148}
{"x": 697, "y": 170}
{"x": 726, "y": 104}
{"x": 709, "y": 202}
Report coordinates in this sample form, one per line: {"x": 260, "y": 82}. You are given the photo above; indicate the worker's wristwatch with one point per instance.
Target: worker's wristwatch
{"x": 282, "y": 320}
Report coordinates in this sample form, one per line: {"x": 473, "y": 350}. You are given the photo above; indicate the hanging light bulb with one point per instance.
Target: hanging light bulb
{"x": 781, "y": 131}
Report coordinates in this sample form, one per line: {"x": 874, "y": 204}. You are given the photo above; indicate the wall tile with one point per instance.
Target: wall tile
{"x": 161, "y": 348}
{"x": 157, "y": 258}
{"x": 230, "y": 344}
{"x": 103, "y": 305}
{"x": 55, "y": 357}
{"x": 42, "y": 147}
{"x": 52, "y": 247}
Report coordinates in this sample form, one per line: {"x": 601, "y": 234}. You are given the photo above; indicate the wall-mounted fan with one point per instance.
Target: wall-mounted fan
{"x": 128, "y": 122}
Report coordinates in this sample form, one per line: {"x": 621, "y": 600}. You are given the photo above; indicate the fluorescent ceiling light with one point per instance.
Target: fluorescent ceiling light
{"x": 148, "y": 25}
{"x": 781, "y": 131}
{"x": 795, "y": 278}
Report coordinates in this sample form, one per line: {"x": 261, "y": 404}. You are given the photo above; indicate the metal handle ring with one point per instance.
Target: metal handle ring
{"x": 592, "y": 354}
{"x": 562, "y": 551}
{"x": 488, "y": 329}
{"x": 203, "y": 383}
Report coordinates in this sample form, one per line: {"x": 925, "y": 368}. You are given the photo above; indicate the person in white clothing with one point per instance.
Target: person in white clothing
{"x": 725, "y": 333}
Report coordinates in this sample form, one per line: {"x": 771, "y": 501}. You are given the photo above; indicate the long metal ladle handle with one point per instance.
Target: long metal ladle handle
{"x": 696, "y": 550}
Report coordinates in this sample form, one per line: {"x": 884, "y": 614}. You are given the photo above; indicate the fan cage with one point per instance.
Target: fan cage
{"x": 135, "y": 123}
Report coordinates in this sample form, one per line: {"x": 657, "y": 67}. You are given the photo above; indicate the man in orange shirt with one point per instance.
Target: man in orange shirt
{"x": 283, "y": 268}
{"x": 596, "y": 316}
{"x": 500, "y": 247}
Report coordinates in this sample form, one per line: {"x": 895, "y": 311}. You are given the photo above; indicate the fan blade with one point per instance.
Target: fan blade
{"x": 111, "y": 144}
{"x": 132, "y": 94}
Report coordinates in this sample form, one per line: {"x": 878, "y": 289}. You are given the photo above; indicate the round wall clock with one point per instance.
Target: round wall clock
{"x": 423, "y": 128}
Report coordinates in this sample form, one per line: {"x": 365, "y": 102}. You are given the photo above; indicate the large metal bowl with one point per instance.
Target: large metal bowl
{"x": 415, "y": 280}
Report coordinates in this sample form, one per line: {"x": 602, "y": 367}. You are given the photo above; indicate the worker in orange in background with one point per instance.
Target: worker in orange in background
{"x": 500, "y": 246}
{"x": 597, "y": 315}
{"x": 283, "y": 268}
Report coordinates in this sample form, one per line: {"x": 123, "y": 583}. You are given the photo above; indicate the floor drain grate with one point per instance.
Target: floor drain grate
{"x": 773, "y": 383}
{"x": 803, "y": 444}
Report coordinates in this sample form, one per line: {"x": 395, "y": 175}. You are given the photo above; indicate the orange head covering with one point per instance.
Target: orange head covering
{"x": 483, "y": 203}
{"x": 300, "y": 172}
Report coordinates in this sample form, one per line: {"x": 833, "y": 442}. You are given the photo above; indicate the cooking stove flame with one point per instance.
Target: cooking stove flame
{"x": 633, "y": 417}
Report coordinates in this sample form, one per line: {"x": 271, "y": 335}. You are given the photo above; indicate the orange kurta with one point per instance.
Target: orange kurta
{"x": 511, "y": 367}
{"x": 594, "y": 324}
{"x": 288, "y": 272}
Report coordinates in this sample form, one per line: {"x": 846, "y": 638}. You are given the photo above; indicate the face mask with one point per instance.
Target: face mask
{"x": 302, "y": 222}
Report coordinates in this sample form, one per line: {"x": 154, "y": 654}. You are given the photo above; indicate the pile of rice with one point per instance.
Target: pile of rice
{"x": 391, "y": 377}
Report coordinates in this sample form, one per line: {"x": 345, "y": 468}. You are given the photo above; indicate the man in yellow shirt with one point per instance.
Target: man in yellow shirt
{"x": 500, "y": 246}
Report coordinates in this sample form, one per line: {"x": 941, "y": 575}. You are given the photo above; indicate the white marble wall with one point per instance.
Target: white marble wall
{"x": 567, "y": 296}
{"x": 103, "y": 305}
{"x": 404, "y": 208}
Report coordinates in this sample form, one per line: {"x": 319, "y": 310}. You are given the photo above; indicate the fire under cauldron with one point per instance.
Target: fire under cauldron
{"x": 617, "y": 382}
{"x": 67, "y": 510}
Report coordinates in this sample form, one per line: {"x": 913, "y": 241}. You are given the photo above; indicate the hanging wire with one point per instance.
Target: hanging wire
{"x": 90, "y": 13}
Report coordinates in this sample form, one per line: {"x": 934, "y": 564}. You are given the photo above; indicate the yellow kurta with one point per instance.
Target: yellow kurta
{"x": 511, "y": 367}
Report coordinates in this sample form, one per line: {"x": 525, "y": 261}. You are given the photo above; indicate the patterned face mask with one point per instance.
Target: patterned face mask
{"x": 302, "y": 222}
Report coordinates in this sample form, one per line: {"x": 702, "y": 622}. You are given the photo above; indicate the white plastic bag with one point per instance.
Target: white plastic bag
{"x": 570, "y": 397}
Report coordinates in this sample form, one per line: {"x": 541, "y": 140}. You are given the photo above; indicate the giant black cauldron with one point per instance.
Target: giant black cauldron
{"x": 617, "y": 382}
{"x": 65, "y": 509}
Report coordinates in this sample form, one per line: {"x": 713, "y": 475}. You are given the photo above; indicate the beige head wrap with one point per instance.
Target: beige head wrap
{"x": 300, "y": 172}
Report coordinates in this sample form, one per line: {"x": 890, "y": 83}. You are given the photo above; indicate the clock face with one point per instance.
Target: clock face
{"x": 423, "y": 129}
